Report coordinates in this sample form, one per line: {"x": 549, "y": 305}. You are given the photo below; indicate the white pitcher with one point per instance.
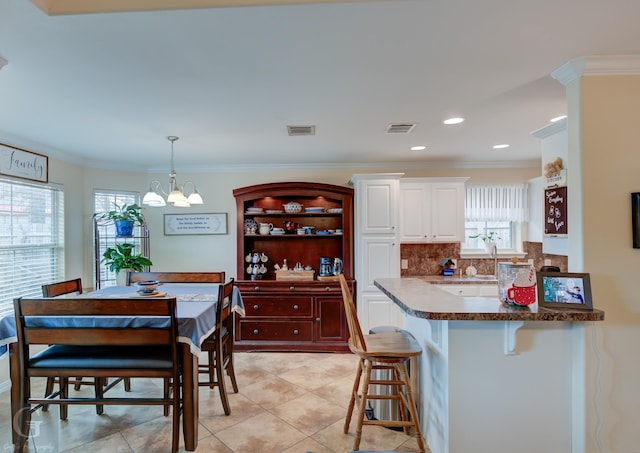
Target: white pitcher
{"x": 265, "y": 228}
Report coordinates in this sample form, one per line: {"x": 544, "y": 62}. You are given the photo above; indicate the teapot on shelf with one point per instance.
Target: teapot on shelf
{"x": 291, "y": 226}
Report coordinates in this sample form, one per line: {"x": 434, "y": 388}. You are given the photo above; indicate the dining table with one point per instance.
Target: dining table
{"x": 195, "y": 315}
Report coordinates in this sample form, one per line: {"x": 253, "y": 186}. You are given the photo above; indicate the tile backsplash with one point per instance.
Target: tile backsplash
{"x": 424, "y": 259}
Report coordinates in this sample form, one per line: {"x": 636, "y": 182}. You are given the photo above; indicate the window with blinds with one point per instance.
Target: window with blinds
{"x": 31, "y": 239}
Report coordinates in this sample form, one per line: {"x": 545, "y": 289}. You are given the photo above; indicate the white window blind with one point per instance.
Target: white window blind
{"x": 31, "y": 239}
{"x": 497, "y": 203}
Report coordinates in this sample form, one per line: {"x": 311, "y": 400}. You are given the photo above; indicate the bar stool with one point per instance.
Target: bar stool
{"x": 388, "y": 351}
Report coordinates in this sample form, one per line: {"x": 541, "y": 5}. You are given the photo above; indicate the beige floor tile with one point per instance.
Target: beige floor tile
{"x": 115, "y": 443}
{"x": 272, "y": 391}
{"x": 288, "y": 403}
{"x": 212, "y": 416}
{"x": 308, "y": 445}
{"x": 262, "y": 433}
{"x": 307, "y": 376}
{"x": 309, "y": 413}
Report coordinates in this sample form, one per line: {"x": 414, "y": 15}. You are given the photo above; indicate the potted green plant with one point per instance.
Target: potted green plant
{"x": 489, "y": 239}
{"x": 121, "y": 258}
{"x": 124, "y": 217}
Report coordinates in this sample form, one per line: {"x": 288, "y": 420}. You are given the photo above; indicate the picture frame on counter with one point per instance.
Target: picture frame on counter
{"x": 195, "y": 224}
{"x": 564, "y": 290}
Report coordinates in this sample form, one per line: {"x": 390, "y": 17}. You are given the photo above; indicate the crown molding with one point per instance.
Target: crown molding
{"x": 3, "y": 62}
{"x": 597, "y": 65}
{"x": 550, "y": 129}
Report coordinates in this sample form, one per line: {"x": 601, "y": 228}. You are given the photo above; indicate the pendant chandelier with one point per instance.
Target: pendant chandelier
{"x": 175, "y": 195}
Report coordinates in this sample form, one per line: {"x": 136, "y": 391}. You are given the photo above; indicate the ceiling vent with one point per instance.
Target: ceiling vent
{"x": 301, "y": 130}
{"x": 400, "y": 128}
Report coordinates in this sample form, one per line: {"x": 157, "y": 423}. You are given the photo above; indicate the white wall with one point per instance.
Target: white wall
{"x": 607, "y": 141}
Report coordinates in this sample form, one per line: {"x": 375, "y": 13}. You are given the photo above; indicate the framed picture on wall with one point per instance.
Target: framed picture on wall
{"x": 564, "y": 290}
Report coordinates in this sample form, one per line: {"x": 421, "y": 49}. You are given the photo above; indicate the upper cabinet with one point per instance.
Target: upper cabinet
{"x": 431, "y": 210}
{"x": 378, "y": 200}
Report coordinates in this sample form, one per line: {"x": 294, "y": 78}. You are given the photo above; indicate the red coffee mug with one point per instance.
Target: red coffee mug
{"x": 522, "y": 295}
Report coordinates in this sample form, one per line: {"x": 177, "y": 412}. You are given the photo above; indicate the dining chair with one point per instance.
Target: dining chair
{"x": 74, "y": 286}
{"x": 146, "y": 350}
{"x": 176, "y": 277}
{"x": 219, "y": 348}
{"x": 388, "y": 351}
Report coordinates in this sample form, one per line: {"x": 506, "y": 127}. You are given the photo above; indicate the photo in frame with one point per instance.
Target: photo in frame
{"x": 564, "y": 290}
{"x": 193, "y": 224}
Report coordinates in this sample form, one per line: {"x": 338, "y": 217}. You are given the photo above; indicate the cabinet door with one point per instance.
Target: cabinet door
{"x": 447, "y": 212}
{"x": 414, "y": 212}
{"x": 381, "y": 258}
{"x": 377, "y": 213}
{"x": 377, "y": 310}
{"x": 330, "y": 320}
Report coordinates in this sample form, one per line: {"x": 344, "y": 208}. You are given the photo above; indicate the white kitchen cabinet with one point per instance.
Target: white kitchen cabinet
{"x": 431, "y": 210}
{"x": 376, "y": 246}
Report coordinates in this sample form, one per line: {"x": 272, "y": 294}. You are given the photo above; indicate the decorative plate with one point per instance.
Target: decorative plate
{"x": 274, "y": 211}
{"x": 250, "y": 223}
{"x": 314, "y": 209}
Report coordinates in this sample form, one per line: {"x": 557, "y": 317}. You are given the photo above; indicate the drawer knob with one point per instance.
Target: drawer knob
{"x": 295, "y": 331}
{"x": 255, "y": 331}
{"x": 327, "y": 288}
{"x": 317, "y": 319}
{"x": 292, "y": 288}
{"x": 295, "y": 307}
{"x": 256, "y": 289}
{"x": 255, "y": 307}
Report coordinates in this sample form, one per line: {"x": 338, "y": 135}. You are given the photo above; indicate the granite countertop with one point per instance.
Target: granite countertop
{"x": 418, "y": 297}
{"x": 457, "y": 280}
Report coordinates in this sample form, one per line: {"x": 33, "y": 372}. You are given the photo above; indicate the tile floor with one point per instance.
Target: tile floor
{"x": 288, "y": 402}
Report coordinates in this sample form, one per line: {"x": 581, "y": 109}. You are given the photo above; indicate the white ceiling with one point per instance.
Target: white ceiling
{"x": 106, "y": 89}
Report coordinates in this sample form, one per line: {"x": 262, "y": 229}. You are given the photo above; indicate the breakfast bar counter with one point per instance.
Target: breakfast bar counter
{"x": 495, "y": 377}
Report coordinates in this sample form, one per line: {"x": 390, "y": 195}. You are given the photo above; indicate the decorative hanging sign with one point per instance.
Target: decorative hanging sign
{"x": 23, "y": 164}
{"x": 555, "y": 174}
{"x": 555, "y": 210}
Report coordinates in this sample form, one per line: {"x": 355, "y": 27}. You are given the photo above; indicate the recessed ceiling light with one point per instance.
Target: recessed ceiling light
{"x": 503, "y": 145}
{"x": 455, "y": 120}
{"x": 418, "y": 148}
{"x": 558, "y": 118}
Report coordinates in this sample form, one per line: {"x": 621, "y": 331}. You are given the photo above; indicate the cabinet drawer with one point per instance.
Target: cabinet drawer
{"x": 288, "y": 287}
{"x": 278, "y": 306}
{"x": 276, "y": 330}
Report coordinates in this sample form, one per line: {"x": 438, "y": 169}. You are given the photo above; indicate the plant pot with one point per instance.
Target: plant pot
{"x": 489, "y": 246}
{"x": 124, "y": 228}
{"x": 121, "y": 277}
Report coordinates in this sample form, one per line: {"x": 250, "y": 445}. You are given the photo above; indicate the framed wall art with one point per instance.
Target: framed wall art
{"x": 564, "y": 290}
{"x": 23, "y": 164}
{"x": 190, "y": 224}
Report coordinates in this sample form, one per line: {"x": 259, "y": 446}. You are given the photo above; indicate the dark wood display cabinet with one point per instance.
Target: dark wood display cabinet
{"x": 296, "y": 312}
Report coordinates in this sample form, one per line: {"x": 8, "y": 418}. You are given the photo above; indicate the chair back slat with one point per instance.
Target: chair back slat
{"x": 96, "y": 337}
{"x": 87, "y": 306}
{"x": 356, "y": 340}
{"x": 176, "y": 277}
{"x": 61, "y": 288}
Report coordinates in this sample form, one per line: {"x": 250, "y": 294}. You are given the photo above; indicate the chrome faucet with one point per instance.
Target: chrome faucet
{"x": 494, "y": 254}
